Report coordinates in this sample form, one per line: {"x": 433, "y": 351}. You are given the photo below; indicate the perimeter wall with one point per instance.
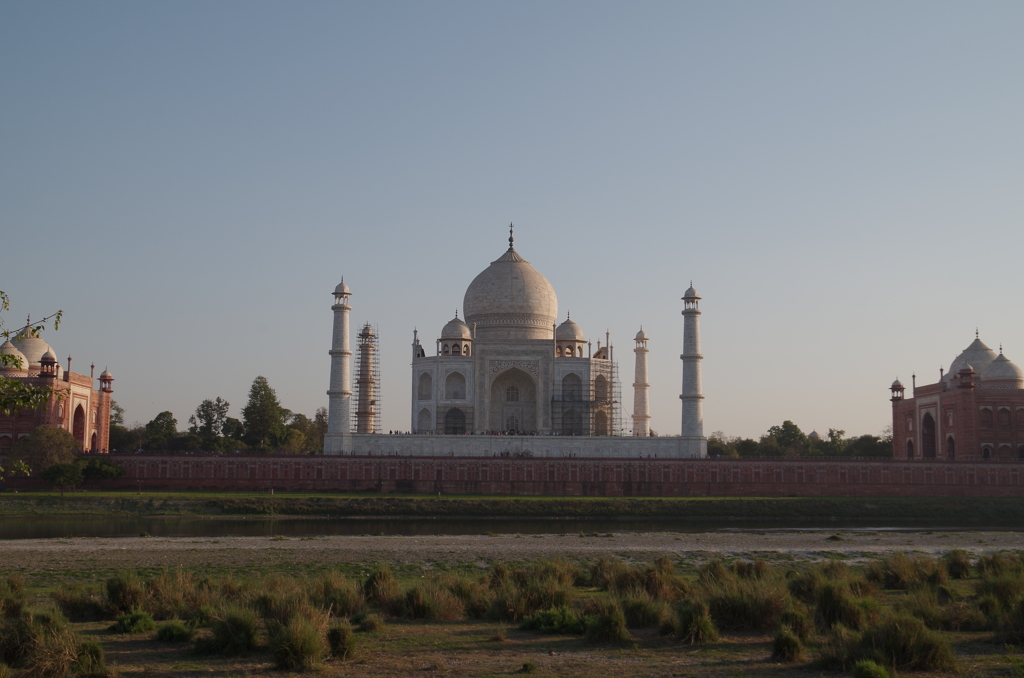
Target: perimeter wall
{"x": 573, "y": 477}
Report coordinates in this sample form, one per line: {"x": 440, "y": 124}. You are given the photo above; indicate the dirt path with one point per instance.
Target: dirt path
{"x": 104, "y": 553}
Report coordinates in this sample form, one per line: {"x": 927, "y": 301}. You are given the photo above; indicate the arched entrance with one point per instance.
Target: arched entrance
{"x": 78, "y": 427}
{"x": 513, "y": 396}
{"x": 950, "y": 448}
{"x": 910, "y": 449}
{"x": 927, "y": 436}
{"x": 423, "y": 422}
{"x": 455, "y": 422}
{"x": 92, "y": 443}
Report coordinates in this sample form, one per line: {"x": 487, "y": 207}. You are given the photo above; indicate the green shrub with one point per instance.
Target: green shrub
{"x": 281, "y": 607}
{"x": 1010, "y": 621}
{"x": 125, "y": 592}
{"x": 177, "y": 594}
{"x": 137, "y": 621}
{"x": 79, "y": 603}
{"x": 528, "y": 667}
{"x": 12, "y": 596}
{"x": 958, "y": 564}
{"x": 804, "y": 585}
{"x": 556, "y": 620}
{"x": 475, "y": 594}
{"x": 175, "y": 631}
{"x": 371, "y": 623}
{"x": 901, "y": 571}
{"x": 744, "y": 604}
{"x": 869, "y": 669}
{"x": 997, "y": 564}
{"x": 300, "y": 644}
{"x": 40, "y": 644}
{"x": 798, "y": 623}
{"x": 340, "y": 597}
{"x": 513, "y": 602}
{"x": 431, "y": 602}
{"x": 836, "y": 605}
{"x": 608, "y": 625}
{"x": 6, "y": 671}
{"x": 756, "y": 569}
{"x": 714, "y": 572}
{"x": 643, "y": 611}
{"x": 905, "y": 644}
{"x": 340, "y": 641}
{"x": 787, "y": 647}
{"x": 962, "y": 616}
{"x": 692, "y": 623}
{"x": 838, "y": 649}
{"x": 91, "y": 659}
{"x": 1006, "y": 587}
{"x": 234, "y": 632}
{"x": 381, "y": 588}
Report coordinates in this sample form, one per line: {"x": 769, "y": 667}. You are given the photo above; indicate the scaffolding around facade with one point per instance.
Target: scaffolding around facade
{"x": 366, "y": 403}
{"x": 588, "y": 409}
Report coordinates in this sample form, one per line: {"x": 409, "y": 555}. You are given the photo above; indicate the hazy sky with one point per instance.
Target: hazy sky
{"x": 843, "y": 182}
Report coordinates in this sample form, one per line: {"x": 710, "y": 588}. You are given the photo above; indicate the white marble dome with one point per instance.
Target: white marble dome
{"x": 1001, "y": 373}
{"x": 9, "y": 349}
{"x": 33, "y": 348}
{"x": 569, "y": 331}
{"x": 456, "y": 329}
{"x": 511, "y": 300}
{"x": 977, "y": 356}
{"x": 640, "y": 336}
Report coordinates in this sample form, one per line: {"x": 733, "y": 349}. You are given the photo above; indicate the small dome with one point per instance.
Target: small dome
{"x": 691, "y": 293}
{"x": 967, "y": 368}
{"x": 813, "y": 435}
{"x": 569, "y": 331}
{"x": 9, "y": 349}
{"x": 978, "y": 355}
{"x": 896, "y": 384}
{"x": 456, "y": 329}
{"x": 49, "y": 356}
{"x": 32, "y": 348}
{"x": 641, "y": 335}
{"x": 105, "y": 374}
{"x": 1002, "y": 371}
{"x": 342, "y": 288}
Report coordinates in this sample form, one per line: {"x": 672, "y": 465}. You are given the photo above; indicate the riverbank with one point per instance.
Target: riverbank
{"x": 947, "y": 511}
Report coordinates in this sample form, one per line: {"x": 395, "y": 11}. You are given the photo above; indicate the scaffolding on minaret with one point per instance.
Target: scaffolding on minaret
{"x": 366, "y": 404}
{"x": 589, "y": 409}
{"x": 618, "y": 424}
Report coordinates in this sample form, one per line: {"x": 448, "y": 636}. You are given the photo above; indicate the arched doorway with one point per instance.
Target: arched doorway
{"x": 601, "y": 424}
{"x": 950, "y": 448}
{"x": 455, "y": 386}
{"x": 455, "y": 422}
{"x": 513, "y": 393}
{"x": 423, "y": 422}
{"x": 910, "y": 449}
{"x": 78, "y": 427}
{"x": 425, "y": 388}
{"x": 572, "y": 387}
{"x": 572, "y": 423}
{"x": 92, "y": 444}
{"x": 927, "y": 436}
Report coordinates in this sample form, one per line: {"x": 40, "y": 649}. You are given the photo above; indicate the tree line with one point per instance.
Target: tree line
{"x": 265, "y": 426}
{"x": 787, "y": 440}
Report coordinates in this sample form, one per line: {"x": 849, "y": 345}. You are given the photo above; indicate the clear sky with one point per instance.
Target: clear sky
{"x": 843, "y": 182}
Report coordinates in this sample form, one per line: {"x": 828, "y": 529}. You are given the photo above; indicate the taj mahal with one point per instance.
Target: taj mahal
{"x": 507, "y": 379}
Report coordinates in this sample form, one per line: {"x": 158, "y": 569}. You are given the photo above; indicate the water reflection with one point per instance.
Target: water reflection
{"x": 50, "y": 528}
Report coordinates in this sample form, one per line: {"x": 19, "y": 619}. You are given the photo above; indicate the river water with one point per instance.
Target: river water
{"x": 64, "y": 527}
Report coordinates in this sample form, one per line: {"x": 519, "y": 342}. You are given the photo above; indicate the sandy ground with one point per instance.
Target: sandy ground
{"x": 854, "y": 545}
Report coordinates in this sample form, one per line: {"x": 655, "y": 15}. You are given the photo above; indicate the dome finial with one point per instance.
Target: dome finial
{"x": 456, "y": 314}
{"x": 975, "y": 332}
{"x": 510, "y": 238}
{"x": 567, "y": 317}
{"x": 1000, "y": 348}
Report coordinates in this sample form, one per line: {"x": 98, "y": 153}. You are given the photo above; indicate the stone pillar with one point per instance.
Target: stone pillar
{"x": 694, "y": 444}
{"x": 641, "y": 403}
{"x": 366, "y": 409}
{"x": 339, "y": 404}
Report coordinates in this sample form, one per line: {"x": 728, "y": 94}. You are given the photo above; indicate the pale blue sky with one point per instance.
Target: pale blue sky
{"x": 842, "y": 181}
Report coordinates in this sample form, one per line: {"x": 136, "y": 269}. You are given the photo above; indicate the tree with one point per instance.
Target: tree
{"x": 263, "y": 417}
{"x": 208, "y": 421}
{"x": 14, "y": 394}
{"x": 100, "y": 469}
{"x": 44, "y": 447}
{"x": 789, "y": 439}
{"x": 120, "y": 437}
{"x": 62, "y": 475}
{"x": 161, "y": 431}
{"x": 14, "y": 468}
{"x": 315, "y": 437}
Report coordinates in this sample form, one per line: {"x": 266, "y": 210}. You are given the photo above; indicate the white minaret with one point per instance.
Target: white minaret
{"x": 694, "y": 444}
{"x": 641, "y": 404}
{"x": 339, "y": 404}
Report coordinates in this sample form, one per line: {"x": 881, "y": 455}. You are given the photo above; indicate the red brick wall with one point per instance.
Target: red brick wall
{"x": 574, "y": 477}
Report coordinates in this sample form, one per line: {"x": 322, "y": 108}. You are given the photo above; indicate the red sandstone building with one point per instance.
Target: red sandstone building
{"x": 74, "y": 404}
{"x": 975, "y": 412}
